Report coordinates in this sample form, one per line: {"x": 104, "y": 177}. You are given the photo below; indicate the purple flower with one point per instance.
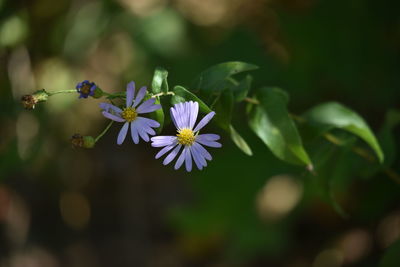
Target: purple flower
{"x": 140, "y": 126}
{"x": 86, "y": 89}
{"x": 184, "y": 117}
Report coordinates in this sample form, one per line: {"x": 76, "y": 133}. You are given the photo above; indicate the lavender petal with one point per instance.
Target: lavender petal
{"x": 134, "y": 133}
{"x": 181, "y": 159}
{"x": 199, "y": 155}
{"x": 142, "y": 132}
{"x": 209, "y": 137}
{"x": 112, "y": 117}
{"x": 165, "y": 150}
{"x": 195, "y": 157}
{"x": 208, "y": 143}
{"x": 122, "y": 133}
{"x": 193, "y": 114}
{"x": 204, "y": 121}
{"x": 149, "y": 122}
{"x": 172, "y": 155}
{"x": 188, "y": 160}
{"x": 148, "y": 109}
{"x": 145, "y": 104}
{"x": 146, "y": 125}
{"x": 108, "y": 106}
{"x": 130, "y": 92}
{"x": 178, "y": 114}
{"x": 160, "y": 141}
{"x": 139, "y": 96}
{"x": 202, "y": 151}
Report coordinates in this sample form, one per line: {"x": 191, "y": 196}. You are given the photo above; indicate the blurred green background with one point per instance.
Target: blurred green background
{"x": 117, "y": 206}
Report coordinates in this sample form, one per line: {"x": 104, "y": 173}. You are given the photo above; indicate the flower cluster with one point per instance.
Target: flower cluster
{"x": 187, "y": 141}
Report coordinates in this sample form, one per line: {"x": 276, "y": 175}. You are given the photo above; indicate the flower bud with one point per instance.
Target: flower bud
{"x": 98, "y": 93}
{"x": 86, "y": 89}
{"x": 78, "y": 140}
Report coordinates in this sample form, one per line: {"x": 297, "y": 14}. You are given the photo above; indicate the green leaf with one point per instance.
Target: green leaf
{"x": 175, "y": 99}
{"x": 239, "y": 141}
{"x": 242, "y": 88}
{"x": 223, "y": 109}
{"x": 182, "y": 95}
{"x": 386, "y": 136}
{"x": 215, "y": 78}
{"x": 334, "y": 115}
{"x": 392, "y": 256}
{"x": 271, "y": 122}
{"x": 159, "y": 83}
{"x": 159, "y": 116}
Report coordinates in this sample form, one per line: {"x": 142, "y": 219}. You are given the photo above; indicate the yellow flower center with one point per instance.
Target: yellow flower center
{"x": 186, "y": 137}
{"x": 129, "y": 114}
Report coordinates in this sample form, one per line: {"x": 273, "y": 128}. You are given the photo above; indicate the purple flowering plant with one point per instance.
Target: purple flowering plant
{"x": 212, "y": 97}
{"x": 129, "y": 115}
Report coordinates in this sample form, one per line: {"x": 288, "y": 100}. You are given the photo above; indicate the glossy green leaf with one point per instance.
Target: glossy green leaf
{"x": 159, "y": 83}
{"x": 392, "y": 256}
{"x": 334, "y": 115}
{"x": 239, "y": 141}
{"x": 242, "y": 88}
{"x": 223, "y": 108}
{"x": 215, "y": 78}
{"x": 271, "y": 122}
{"x": 182, "y": 94}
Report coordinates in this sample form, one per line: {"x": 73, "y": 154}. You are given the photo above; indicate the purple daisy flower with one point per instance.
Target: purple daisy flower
{"x": 140, "y": 126}
{"x": 86, "y": 88}
{"x": 184, "y": 117}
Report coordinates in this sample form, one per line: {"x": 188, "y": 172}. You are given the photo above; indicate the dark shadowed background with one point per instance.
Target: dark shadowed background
{"x": 118, "y": 206}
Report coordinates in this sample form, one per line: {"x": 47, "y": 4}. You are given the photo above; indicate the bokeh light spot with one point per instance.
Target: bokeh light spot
{"x": 329, "y": 258}
{"x": 278, "y": 197}
{"x": 75, "y": 209}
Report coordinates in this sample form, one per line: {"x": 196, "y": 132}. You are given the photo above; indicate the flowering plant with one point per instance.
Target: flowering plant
{"x": 214, "y": 94}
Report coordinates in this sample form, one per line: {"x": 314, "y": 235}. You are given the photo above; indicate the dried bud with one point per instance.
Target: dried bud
{"x": 78, "y": 140}
{"x": 29, "y": 101}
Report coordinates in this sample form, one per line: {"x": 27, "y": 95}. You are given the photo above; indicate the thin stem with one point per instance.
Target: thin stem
{"x": 107, "y": 94}
{"x": 392, "y": 175}
{"x": 163, "y": 94}
{"x": 103, "y": 132}
{"x": 252, "y": 101}
{"x": 61, "y": 92}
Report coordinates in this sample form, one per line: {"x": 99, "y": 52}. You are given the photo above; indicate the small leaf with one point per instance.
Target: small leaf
{"x": 182, "y": 94}
{"x": 242, "y": 88}
{"x": 334, "y": 115}
{"x": 271, "y": 122}
{"x": 215, "y": 78}
{"x": 159, "y": 83}
{"x": 392, "y": 256}
{"x": 223, "y": 109}
{"x": 239, "y": 141}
